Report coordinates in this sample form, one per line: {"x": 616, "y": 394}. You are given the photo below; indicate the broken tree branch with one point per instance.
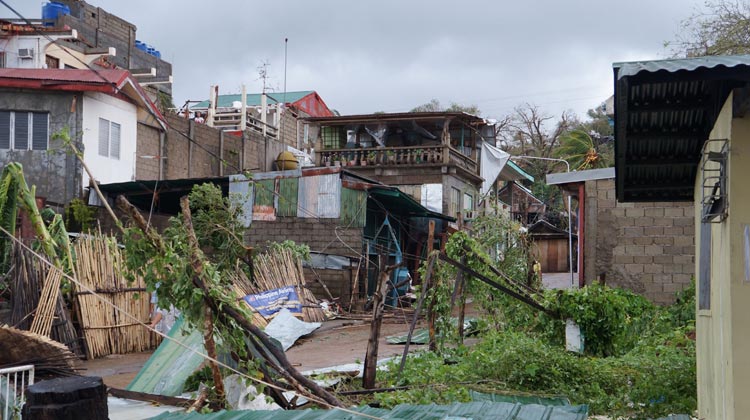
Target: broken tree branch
{"x": 426, "y": 283}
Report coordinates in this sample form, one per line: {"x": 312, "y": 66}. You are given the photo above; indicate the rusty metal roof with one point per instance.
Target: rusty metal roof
{"x": 399, "y": 116}
{"x": 664, "y": 112}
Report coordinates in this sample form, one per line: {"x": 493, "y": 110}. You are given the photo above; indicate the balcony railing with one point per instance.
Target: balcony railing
{"x": 398, "y": 156}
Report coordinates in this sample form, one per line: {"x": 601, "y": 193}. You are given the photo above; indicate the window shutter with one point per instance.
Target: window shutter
{"x": 21, "y": 138}
{"x": 4, "y": 130}
{"x": 103, "y": 137}
{"x": 114, "y": 141}
{"x": 39, "y": 133}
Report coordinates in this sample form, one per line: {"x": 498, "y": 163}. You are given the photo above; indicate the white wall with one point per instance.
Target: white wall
{"x": 105, "y": 169}
{"x": 14, "y": 43}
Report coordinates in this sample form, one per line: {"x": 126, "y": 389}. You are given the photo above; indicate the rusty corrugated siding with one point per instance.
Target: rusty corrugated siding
{"x": 288, "y": 190}
{"x": 241, "y": 194}
{"x": 319, "y": 196}
{"x": 353, "y": 207}
{"x": 265, "y": 199}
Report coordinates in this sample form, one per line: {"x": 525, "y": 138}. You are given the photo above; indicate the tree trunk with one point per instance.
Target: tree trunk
{"x": 208, "y": 341}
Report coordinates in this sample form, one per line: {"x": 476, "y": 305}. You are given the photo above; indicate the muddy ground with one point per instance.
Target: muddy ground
{"x": 336, "y": 342}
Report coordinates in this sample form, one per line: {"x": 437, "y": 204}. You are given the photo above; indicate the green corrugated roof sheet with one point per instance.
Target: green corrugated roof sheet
{"x": 167, "y": 369}
{"x": 478, "y": 410}
{"x": 253, "y": 99}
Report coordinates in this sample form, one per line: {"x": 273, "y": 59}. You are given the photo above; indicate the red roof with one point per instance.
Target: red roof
{"x": 114, "y": 82}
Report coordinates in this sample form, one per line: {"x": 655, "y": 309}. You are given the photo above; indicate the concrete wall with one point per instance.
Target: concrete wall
{"x": 55, "y": 172}
{"x": 318, "y": 236}
{"x": 185, "y": 159}
{"x": 723, "y": 359}
{"x": 645, "y": 247}
{"x": 109, "y": 169}
{"x": 98, "y": 28}
{"x": 148, "y": 154}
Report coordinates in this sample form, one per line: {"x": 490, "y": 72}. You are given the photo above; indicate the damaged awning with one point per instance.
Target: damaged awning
{"x": 402, "y": 204}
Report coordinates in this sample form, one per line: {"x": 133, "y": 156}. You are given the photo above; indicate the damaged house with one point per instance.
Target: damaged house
{"x": 434, "y": 157}
{"x": 345, "y": 219}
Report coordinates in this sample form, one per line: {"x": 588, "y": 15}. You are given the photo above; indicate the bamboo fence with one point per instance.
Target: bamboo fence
{"x": 28, "y": 274}
{"x": 106, "y": 330}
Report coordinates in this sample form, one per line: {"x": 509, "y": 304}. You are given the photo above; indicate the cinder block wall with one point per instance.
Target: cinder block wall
{"x": 645, "y": 247}
{"x": 319, "y": 236}
{"x": 147, "y": 159}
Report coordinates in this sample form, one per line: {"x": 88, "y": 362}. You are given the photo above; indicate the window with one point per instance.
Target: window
{"x": 455, "y": 203}
{"x": 52, "y": 62}
{"x": 21, "y": 130}
{"x": 468, "y": 206}
{"x": 109, "y": 139}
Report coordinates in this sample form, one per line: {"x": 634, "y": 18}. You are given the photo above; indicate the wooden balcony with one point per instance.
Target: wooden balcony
{"x": 414, "y": 156}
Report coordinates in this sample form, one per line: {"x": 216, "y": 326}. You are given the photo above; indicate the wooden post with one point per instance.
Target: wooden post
{"x": 425, "y": 286}
{"x": 431, "y": 316}
{"x": 378, "y": 304}
{"x": 460, "y": 289}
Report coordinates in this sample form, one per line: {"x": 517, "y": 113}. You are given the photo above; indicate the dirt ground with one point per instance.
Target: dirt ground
{"x": 336, "y": 342}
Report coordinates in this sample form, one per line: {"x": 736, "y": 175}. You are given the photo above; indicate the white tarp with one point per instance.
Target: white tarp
{"x": 493, "y": 161}
{"x": 432, "y": 197}
{"x": 287, "y": 329}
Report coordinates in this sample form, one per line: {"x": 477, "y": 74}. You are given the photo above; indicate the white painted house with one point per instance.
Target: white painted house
{"x": 100, "y": 109}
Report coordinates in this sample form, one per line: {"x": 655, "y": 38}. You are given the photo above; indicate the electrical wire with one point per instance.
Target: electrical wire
{"x": 127, "y": 314}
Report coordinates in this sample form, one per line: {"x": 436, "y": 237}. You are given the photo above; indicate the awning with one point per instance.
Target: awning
{"x": 401, "y": 204}
{"x": 166, "y": 200}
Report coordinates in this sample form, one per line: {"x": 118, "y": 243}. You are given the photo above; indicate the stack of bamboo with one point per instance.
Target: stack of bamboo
{"x": 100, "y": 267}
{"x": 282, "y": 268}
{"x": 29, "y": 274}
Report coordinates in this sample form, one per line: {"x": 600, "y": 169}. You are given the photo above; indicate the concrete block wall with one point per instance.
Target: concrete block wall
{"x": 148, "y": 153}
{"x": 184, "y": 159}
{"x": 338, "y": 283}
{"x": 645, "y": 247}
{"x": 319, "y": 236}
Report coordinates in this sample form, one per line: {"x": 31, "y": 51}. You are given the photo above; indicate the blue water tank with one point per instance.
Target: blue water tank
{"x": 141, "y": 45}
{"x": 157, "y": 54}
{"x": 52, "y": 10}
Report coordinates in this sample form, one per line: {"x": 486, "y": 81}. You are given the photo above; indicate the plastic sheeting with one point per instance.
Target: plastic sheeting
{"x": 287, "y": 329}
{"x": 492, "y": 163}
{"x": 241, "y": 194}
{"x": 432, "y": 197}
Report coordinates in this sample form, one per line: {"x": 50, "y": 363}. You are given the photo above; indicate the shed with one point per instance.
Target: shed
{"x": 551, "y": 246}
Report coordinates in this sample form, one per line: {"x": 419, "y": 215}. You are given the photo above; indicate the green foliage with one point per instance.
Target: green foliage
{"x": 301, "y": 251}
{"x": 435, "y": 106}
{"x": 655, "y": 378}
{"x": 170, "y": 274}
{"x": 217, "y": 226}
{"x": 609, "y": 318}
{"x": 80, "y": 216}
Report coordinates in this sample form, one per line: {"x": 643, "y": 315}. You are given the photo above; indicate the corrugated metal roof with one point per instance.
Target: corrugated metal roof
{"x": 679, "y": 64}
{"x": 580, "y": 176}
{"x": 513, "y": 172}
{"x": 67, "y": 75}
{"x": 170, "y": 365}
{"x": 253, "y": 99}
{"x": 396, "y": 116}
{"x": 478, "y": 410}
{"x": 664, "y": 112}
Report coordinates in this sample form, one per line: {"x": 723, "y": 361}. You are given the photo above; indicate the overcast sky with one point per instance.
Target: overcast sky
{"x": 391, "y": 55}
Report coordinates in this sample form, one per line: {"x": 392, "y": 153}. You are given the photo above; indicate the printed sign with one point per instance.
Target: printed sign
{"x": 269, "y": 303}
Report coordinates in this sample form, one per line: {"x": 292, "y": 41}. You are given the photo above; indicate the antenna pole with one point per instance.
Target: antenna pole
{"x": 286, "y": 42}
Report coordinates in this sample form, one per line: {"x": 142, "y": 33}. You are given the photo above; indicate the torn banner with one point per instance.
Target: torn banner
{"x": 269, "y": 303}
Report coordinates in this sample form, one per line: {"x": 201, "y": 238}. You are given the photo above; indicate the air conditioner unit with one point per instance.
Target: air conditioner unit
{"x": 25, "y": 53}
